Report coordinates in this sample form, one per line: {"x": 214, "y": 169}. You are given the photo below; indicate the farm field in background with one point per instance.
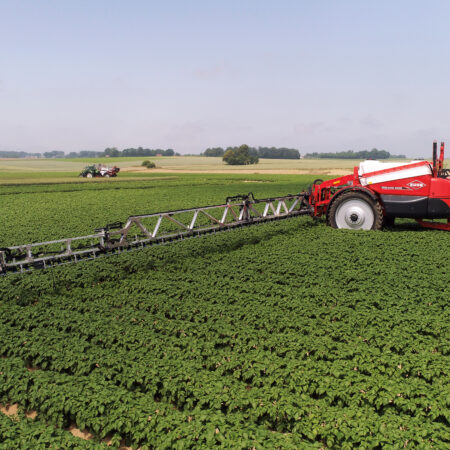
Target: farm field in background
{"x": 59, "y": 170}
{"x": 20, "y": 171}
{"x": 288, "y": 334}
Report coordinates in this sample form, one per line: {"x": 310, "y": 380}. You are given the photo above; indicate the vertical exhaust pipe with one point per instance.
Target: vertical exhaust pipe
{"x": 434, "y": 158}
{"x": 441, "y": 158}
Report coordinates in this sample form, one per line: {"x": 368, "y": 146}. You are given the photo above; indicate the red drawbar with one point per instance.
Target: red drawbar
{"x": 435, "y": 225}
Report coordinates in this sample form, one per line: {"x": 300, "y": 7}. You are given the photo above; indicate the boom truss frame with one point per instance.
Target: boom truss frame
{"x": 149, "y": 229}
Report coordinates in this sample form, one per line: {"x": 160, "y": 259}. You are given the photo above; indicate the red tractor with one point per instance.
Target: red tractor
{"x": 377, "y": 192}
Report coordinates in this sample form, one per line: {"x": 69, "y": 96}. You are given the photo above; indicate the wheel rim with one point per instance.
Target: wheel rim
{"x": 355, "y": 214}
{"x": 89, "y": 175}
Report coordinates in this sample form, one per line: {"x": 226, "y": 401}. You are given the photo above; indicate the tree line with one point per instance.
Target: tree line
{"x": 350, "y": 154}
{"x": 252, "y": 153}
{"x": 139, "y": 151}
{"x": 114, "y": 152}
{"x": 14, "y": 154}
{"x": 260, "y": 152}
{"x": 108, "y": 152}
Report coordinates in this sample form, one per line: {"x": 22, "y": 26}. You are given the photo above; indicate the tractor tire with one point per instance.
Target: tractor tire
{"x": 89, "y": 175}
{"x": 355, "y": 211}
{"x": 106, "y": 175}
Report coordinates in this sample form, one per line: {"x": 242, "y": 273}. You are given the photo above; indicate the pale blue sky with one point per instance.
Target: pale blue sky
{"x": 314, "y": 75}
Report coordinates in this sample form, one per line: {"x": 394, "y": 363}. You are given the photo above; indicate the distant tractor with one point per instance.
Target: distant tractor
{"x": 99, "y": 171}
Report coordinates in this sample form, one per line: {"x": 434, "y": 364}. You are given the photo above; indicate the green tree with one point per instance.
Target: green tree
{"x": 240, "y": 156}
{"x": 216, "y": 151}
{"x": 111, "y": 151}
{"x": 278, "y": 153}
{"x": 54, "y": 154}
{"x": 350, "y": 154}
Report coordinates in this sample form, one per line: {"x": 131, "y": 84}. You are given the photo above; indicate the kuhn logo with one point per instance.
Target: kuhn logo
{"x": 416, "y": 184}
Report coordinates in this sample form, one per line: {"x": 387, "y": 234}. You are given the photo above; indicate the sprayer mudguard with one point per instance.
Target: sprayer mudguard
{"x": 438, "y": 208}
{"x": 405, "y": 206}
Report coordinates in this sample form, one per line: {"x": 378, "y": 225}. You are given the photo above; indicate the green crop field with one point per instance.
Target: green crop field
{"x": 283, "y": 335}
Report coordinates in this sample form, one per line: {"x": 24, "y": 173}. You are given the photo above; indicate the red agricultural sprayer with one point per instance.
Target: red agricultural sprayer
{"x": 378, "y": 192}
{"x": 374, "y": 195}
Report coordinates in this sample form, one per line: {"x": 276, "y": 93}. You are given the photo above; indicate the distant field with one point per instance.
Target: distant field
{"x": 60, "y": 170}
{"x": 185, "y": 163}
{"x": 201, "y": 163}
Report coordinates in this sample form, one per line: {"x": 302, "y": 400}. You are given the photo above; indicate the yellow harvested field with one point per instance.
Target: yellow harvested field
{"x": 184, "y": 164}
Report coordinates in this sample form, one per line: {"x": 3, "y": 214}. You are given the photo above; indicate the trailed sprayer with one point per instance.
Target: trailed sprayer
{"x": 371, "y": 197}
